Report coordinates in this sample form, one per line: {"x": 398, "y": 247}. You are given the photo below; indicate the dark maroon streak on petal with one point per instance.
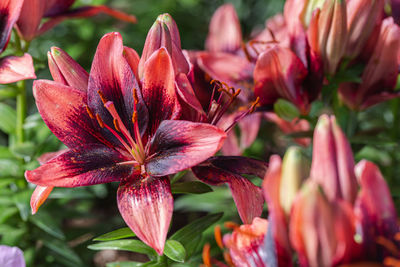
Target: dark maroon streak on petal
{"x": 238, "y": 165}
{"x": 146, "y": 206}
{"x": 63, "y": 109}
{"x": 178, "y": 145}
{"x": 84, "y": 165}
{"x": 112, "y": 75}
{"x": 248, "y": 197}
{"x": 9, "y": 13}
{"x": 159, "y": 89}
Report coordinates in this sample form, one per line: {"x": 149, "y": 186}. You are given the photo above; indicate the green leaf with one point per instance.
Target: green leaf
{"x": 174, "y": 250}
{"x": 116, "y": 234}
{"x": 178, "y": 176}
{"x": 191, "y": 231}
{"x": 44, "y": 221}
{"x": 21, "y": 200}
{"x": 5, "y": 153}
{"x": 126, "y": 245}
{"x": 6, "y": 212}
{"x": 286, "y": 110}
{"x": 10, "y": 168}
{"x": 8, "y": 118}
{"x": 124, "y": 264}
{"x": 62, "y": 249}
{"x": 9, "y": 92}
{"x": 26, "y": 149}
{"x": 193, "y": 187}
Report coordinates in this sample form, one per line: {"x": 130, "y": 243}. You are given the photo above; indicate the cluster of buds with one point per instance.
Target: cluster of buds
{"x": 333, "y": 213}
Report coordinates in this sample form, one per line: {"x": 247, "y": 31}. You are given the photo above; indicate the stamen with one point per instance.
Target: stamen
{"x": 102, "y": 97}
{"x": 116, "y": 125}
{"x": 134, "y": 117}
{"x": 120, "y": 139}
{"x": 244, "y": 114}
{"x": 391, "y": 262}
{"x": 109, "y": 105}
{"x": 135, "y": 96}
{"x": 218, "y": 236}
{"x": 89, "y": 111}
{"x": 231, "y": 225}
{"x": 132, "y": 162}
{"x": 246, "y": 52}
{"x": 388, "y": 244}
{"x": 206, "y": 255}
{"x": 100, "y": 121}
{"x": 228, "y": 259}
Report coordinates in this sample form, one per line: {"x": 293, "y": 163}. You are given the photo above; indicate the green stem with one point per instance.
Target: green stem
{"x": 21, "y": 112}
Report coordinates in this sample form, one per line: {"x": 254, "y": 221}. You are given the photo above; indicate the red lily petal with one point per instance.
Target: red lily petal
{"x": 84, "y": 165}
{"x": 146, "y": 206}
{"x": 9, "y": 13}
{"x": 63, "y": 109}
{"x": 376, "y": 199}
{"x": 226, "y": 67}
{"x": 14, "y": 69}
{"x": 50, "y": 155}
{"x": 191, "y": 107}
{"x": 39, "y": 196}
{"x": 273, "y": 81}
{"x": 55, "y": 7}
{"x": 333, "y": 163}
{"x": 83, "y": 12}
{"x": 231, "y": 145}
{"x": 240, "y": 165}
{"x": 178, "y": 145}
{"x": 224, "y": 34}
{"x": 248, "y": 197}
{"x": 132, "y": 58}
{"x": 249, "y": 127}
{"x": 159, "y": 89}
{"x": 279, "y": 227}
{"x": 66, "y": 70}
{"x": 29, "y": 20}
{"x": 112, "y": 75}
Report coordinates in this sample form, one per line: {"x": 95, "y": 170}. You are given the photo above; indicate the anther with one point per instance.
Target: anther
{"x": 231, "y": 225}
{"x": 134, "y": 117}
{"x": 116, "y": 125}
{"x": 388, "y": 244}
{"x": 235, "y": 94}
{"x": 206, "y": 255}
{"x": 100, "y": 121}
{"x": 135, "y": 96}
{"x": 254, "y": 105}
{"x": 89, "y": 111}
{"x": 102, "y": 96}
{"x": 218, "y": 236}
{"x": 228, "y": 259}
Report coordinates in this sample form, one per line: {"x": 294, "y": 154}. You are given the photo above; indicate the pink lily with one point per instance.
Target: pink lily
{"x": 12, "y": 68}
{"x": 117, "y": 131}
{"x": 33, "y": 11}
{"x": 380, "y": 75}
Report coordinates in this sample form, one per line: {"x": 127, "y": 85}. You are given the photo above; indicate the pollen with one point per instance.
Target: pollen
{"x": 116, "y": 125}
{"x": 89, "y": 111}
{"x": 134, "y": 117}
{"x": 135, "y": 96}
{"x": 102, "y": 96}
{"x": 218, "y": 236}
{"x": 206, "y": 255}
{"x": 100, "y": 121}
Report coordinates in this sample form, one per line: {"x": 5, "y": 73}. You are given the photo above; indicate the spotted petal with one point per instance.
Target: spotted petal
{"x": 178, "y": 145}
{"x": 81, "y": 166}
{"x": 146, "y": 206}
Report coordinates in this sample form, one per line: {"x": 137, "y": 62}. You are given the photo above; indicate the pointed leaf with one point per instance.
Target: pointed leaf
{"x": 175, "y": 251}
{"x": 7, "y": 118}
{"x": 45, "y": 221}
{"x": 116, "y": 234}
{"x": 126, "y": 245}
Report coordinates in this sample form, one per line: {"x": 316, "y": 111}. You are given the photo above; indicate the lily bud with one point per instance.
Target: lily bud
{"x": 224, "y": 33}
{"x": 330, "y": 26}
{"x": 245, "y": 244}
{"x": 375, "y": 204}
{"x": 294, "y": 171}
{"x": 333, "y": 163}
{"x": 362, "y": 17}
{"x": 67, "y": 71}
{"x": 164, "y": 33}
{"x": 312, "y": 225}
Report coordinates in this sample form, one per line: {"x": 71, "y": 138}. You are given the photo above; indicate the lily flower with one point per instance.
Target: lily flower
{"x": 117, "y": 131}
{"x": 11, "y": 257}
{"x": 333, "y": 163}
{"x": 30, "y": 24}
{"x": 12, "y": 68}
{"x": 380, "y": 74}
